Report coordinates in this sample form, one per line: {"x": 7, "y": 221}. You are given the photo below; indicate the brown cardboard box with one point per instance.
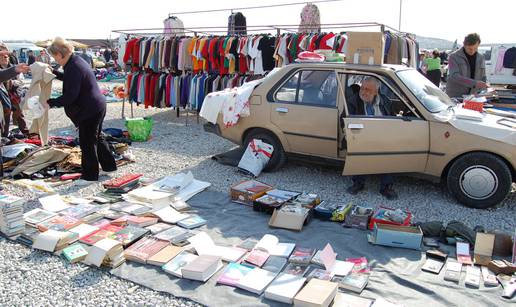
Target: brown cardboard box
{"x": 483, "y": 251}
{"x": 365, "y": 48}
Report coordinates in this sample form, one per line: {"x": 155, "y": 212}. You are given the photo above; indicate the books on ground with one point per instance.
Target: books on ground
{"x": 165, "y": 255}
{"x": 257, "y": 257}
{"x": 317, "y": 293}
{"x": 175, "y": 235}
{"x": 159, "y": 227}
{"x": 284, "y": 288}
{"x": 145, "y": 248}
{"x": 336, "y": 267}
{"x": 83, "y": 230}
{"x": 59, "y": 222}
{"x": 79, "y": 211}
{"x": 282, "y": 249}
{"x": 302, "y": 255}
{"x": 53, "y": 240}
{"x": 129, "y": 234}
{"x": 275, "y": 264}
{"x": 175, "y": 265}
{"x": 319, "y": 274}
{"x": 296, "y": 269}
{"x": 343, "y": 299}
{"x": 75, "y": 253}
{"x": 102, "y": 233}
{"x": 355, "y": 282}
{"x": 233, "y": 273}
{"x": 53, "y": 203}
{"x": 204, "y": 245}
{"x": 37, "y": 216}
{"x": 202, "y": 268}
{"x": 191, "y": 222}
{"x": 169, "y": 215}
{"x": 106, "y": 252}
{"x": 11, "y": 215}
{"x": 256, "y": 280}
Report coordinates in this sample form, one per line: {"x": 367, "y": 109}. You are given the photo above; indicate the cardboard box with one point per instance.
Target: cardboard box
{"x": 484, "y": 244}
{"x": 267, "y": 204}
{"x": 358, "y": 217}
{"x": 380, "y": 217}
{"x": 290, "y": 220}
{"x": 365, "y": 48}
{"x": 397, "y": 236}
{"x": 246, "y": 192}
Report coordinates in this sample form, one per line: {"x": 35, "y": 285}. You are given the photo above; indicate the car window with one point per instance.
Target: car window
{"x": 384, "y": 100}
{"x": 310, "y": 87}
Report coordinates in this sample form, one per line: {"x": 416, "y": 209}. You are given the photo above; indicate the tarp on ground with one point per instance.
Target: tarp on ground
{"x": 396, "y": 273}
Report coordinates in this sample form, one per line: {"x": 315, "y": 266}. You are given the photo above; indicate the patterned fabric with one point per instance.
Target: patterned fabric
{"x": 310, "y": 19}
{"x": 173, "y": 25}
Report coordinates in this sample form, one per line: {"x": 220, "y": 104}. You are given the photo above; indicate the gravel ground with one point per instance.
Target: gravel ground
{"x": 33, "y": 278}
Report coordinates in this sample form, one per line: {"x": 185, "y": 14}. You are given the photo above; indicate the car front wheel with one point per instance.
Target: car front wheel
{"x": 479, "y": 180}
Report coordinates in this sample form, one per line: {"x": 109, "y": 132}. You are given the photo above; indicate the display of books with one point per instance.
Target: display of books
{"x": 355, "y": 282}
{"x": 175, "y": 265}
{"x": 202, "y": 268}
{"x": 284, "y": 288}
{"x": 191, "y": 222}
{"x": 302, "y": 255}
{"x": 233, "y": 273}
{"x": 11, "y": 215}
{"x": 159, "y": 227}
{"x": 316, "y": 293}
{"x": 129, "y": 234}
{"x": 102, "y": 233}
{"x": 165, "y": 255}
{"x": 106, "y": 252}
{"x": 75, "y": 253}
{"x": 79, "y": 211}
{"x": 59, "y": 222}
{"x": 145, "y": 248}
{"x": 257, "y": 257}
{"x": 296, "y": 269}
{"x": 256, "y": 280}
{"x": 37, "y": 216}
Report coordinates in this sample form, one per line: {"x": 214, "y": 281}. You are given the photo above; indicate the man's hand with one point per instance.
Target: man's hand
{"x": 481, "y": 84}
{"x": 22, "y": 68}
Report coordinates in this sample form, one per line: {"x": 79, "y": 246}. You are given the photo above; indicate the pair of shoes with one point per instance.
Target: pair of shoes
{"x": 355, "y": 188}
{"x": 83, "y": 183}
{"x": 388, "y": 192}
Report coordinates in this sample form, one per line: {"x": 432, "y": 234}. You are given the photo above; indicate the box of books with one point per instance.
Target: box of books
{"x": 246, "y": 192}
{"x": 384, "y": 215}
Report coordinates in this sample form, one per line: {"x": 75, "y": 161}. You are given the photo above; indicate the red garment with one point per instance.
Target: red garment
{"x": 323, "y": 44}
{"x": 129, "y": 47}
{"x": 242, "y": 59}
{"x": 136, "y": 53}
{"x": 128, "y": 84}
{"x": 148, "y": 102}
{"x": 213, "y": 63}
{"x": 311, "y": 46}
{"x": 222, "y": 54}
{"x": 340, "y": 47}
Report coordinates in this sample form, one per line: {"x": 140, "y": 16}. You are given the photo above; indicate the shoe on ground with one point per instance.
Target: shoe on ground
{"x": 389, "y": 193}
{"x": 83, "y": 183}
{"x": 355, "y": 188}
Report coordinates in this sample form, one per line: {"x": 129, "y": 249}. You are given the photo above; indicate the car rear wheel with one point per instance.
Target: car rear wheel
{"x": 479, "y": 180}
{"x": 279, "y": 157}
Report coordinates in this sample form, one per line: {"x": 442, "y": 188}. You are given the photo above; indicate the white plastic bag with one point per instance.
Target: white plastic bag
{"x": 255, "y": 157}
{"x": 35, "y": 107}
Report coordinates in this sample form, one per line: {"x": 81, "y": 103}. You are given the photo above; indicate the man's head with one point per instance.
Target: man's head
{"x": 369, "y": 89}
{"x": 61, "y": 50}
{"x": 471, "y": 43}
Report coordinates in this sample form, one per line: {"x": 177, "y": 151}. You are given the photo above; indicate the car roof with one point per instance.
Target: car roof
{"x": 350, "y": 66}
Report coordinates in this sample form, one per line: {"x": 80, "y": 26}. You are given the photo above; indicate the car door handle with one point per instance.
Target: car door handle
{"x": 355, "y": 126}
{"x": 282, "y": 110}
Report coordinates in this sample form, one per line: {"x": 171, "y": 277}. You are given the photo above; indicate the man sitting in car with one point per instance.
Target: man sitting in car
{"x": 370, "y": 102}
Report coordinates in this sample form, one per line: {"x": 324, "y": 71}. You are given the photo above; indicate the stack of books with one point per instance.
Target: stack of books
{"x": 11, "y": 215}
{"x": 144, "y": 249}
{"x": 106, "y": 252}
{"x": 37, "y": 216}
{"x": 122, "y": 185}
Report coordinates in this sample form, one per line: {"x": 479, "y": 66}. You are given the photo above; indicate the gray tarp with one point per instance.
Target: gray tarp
{"x": 396, "y": 273}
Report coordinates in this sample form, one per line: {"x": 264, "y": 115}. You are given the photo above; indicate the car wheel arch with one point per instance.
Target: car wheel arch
{"x": 446, "y": 169}
{"x": 250, "y": 130}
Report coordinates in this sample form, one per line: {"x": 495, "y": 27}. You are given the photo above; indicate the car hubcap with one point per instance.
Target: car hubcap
{"x": 478, "y": 182}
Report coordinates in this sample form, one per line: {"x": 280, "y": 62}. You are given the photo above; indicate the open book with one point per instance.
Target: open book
{"x": 204, "y": 245}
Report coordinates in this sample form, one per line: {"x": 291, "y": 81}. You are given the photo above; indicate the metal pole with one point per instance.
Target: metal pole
{"x": 399, "y": 21}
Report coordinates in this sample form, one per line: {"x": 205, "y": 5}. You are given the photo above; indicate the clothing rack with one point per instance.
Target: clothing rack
{"x": 213, "y": 30}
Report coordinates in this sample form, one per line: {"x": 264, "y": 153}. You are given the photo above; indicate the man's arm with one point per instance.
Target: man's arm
{"x": 9, "y": 73}
{"x": 74, "y": 80}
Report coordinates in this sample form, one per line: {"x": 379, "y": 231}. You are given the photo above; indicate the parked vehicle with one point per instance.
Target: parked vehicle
{"x": 302, "y": 110}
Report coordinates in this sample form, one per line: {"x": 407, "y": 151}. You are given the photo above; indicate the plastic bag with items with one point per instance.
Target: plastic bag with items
{"x": 255, "y": 157}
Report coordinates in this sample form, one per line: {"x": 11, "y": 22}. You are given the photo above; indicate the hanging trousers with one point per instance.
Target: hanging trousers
{"x": 94, "y": 148}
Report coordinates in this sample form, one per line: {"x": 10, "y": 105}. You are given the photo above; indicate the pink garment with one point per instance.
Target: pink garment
{"x": 499, "y": 59}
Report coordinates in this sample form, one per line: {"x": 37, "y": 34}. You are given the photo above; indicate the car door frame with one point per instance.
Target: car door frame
{"x": 374, "y": 161}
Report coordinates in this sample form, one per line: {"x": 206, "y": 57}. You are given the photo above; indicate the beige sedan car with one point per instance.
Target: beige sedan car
{"x": 306, "y": 109}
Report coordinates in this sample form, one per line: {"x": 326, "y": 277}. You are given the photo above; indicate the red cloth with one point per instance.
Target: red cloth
{"x": 223, "y": 70}
{"x": 212, "y": 57}
{"x": 136, "y": 53}
{"x": 147, "y": 101}
{"x": 323, "y": 44}
{"x": 340, "y": 47}
{"x": 242, "y": 59}
{"x": 129, "y": 47}
{"x": 311, "y": 46}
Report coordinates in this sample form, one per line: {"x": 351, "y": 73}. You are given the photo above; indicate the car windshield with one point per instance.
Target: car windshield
{"x": 432, "y": 98}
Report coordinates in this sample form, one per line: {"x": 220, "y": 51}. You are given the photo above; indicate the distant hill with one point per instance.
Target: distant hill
{"x": 430, "y": 43}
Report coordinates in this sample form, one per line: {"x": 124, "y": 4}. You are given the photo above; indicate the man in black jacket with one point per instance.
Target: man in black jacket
{"x": 85, "y": 106}
{"x": 370, "y": 102}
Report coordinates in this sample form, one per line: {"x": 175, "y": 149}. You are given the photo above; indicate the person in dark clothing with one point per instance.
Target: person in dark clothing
{"x": 31, "y": 57}
{"x": 11, "y": 72}
{"x": 107, "y": 55}
{"x": 13, "y": 58}
{"x": 85, "y": 106}
{"x": 370, "y": 102}
{"x": 11, "y": 101}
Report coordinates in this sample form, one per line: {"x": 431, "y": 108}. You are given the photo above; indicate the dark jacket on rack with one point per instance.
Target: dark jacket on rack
{"x": 81, "y": 97}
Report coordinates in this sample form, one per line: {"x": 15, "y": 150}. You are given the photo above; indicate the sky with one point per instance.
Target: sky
{"x": 447, "y": 19}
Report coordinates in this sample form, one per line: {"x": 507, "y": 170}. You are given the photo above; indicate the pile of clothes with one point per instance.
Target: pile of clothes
{"x": 25, "y": 157}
